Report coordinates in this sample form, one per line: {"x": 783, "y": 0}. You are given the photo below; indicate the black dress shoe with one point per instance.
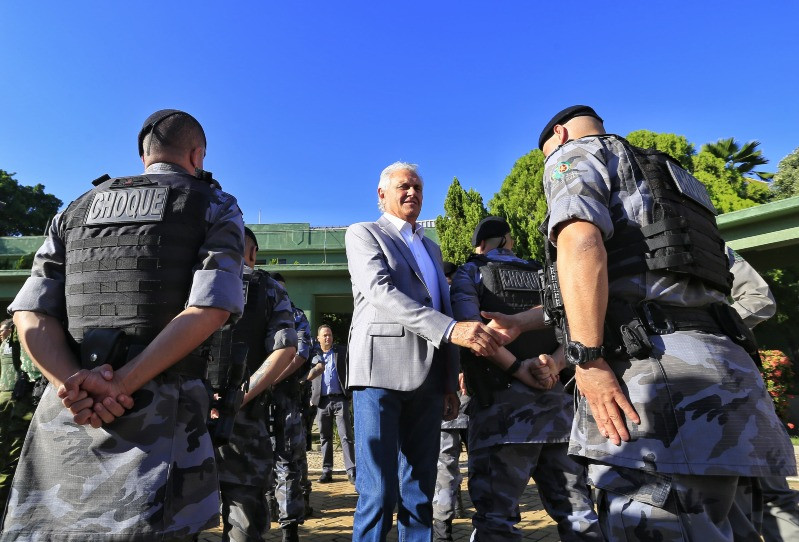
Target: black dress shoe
{"x": 326, "y": 478}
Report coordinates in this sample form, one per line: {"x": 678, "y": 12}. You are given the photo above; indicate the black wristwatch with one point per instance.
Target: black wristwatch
{"x": 577, "y": 353}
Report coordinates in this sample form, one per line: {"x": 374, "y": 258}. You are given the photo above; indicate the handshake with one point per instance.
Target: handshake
{"x": 95, "y": 396}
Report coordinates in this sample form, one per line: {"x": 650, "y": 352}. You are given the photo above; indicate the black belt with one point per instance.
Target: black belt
{"x": 335, "y": 396}
{"x": 664, "y": 319}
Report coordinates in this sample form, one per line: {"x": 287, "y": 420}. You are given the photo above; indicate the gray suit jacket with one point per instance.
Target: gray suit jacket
{"x": 395, "y": 333}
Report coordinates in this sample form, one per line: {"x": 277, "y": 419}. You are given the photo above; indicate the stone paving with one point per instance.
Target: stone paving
{"x": 334, "y": 507}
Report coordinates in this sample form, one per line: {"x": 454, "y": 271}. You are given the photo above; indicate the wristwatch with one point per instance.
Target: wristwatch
{"x": 577, "y": 353}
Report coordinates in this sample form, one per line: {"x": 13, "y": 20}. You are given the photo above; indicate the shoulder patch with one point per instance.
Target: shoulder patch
{"x": 560, "y": 170}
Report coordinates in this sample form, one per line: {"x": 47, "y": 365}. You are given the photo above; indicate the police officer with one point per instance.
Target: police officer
{"x": 517, "y": 429}
{"x": 21, "y": 386}
{"x": 133, "y": 276}
{"x": 671, "y": 410}
{"x": 246, "y": 462}
{"x": 291, "y": 489}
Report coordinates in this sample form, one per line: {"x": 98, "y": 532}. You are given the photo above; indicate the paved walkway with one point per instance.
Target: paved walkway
{"x": 336, "y": 502}
{"x": 334, "y": 506}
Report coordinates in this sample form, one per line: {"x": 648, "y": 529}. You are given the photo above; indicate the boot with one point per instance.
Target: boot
{"x": 290, "y": 533}
{"x": 306, "y": 495}
{"x": 460, "y": 513}
{"x": 274, "y": 511}
{"x": 442, "y": 531}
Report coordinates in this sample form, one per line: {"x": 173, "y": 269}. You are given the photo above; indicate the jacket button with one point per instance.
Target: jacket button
{"x": 428, "y": 299}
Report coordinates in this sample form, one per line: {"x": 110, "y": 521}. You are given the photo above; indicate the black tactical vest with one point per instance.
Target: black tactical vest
{"x": 131, "y": 246}
{"x": 512, "y": 287}
{"x": 251, "y": 327}
{"x": 680, "y": 237}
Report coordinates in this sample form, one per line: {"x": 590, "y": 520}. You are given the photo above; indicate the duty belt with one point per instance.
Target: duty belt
{"x": 665, "y": 319}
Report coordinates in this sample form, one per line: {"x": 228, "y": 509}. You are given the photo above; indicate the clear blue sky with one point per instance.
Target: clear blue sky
{"x": 305, "y": 102}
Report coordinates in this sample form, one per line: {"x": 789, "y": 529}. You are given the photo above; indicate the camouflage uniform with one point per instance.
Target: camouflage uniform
{"x": 245, "y": 464}
{"x": 706, "y": 418}
{"x": 151, "y": 473}
{"x": 522, "y": 434}
{"x": 16, "y": 408}
{"x": 291, "y": 464}
{"x": 448, "y": 479}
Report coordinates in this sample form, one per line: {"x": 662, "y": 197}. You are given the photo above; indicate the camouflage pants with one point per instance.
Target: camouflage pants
{"x": 448, "y": 479}
{"x": 498, "y": 476}
{"x": 638, "y": 505}
{"x": 780, "y": 510}
{"x": 15, "y": 417}
{"x": 290, "y": 458}
{"x": 245, "y": 516}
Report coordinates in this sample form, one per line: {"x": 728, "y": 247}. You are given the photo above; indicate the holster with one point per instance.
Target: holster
{"x": 231, "y": 398}
{"x": 482, "y": 379}
{"x": 22, "y": 388}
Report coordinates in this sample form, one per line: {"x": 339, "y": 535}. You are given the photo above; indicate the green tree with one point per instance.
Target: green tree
{"x": 25, "y": 209}
{"x": 674, "y": 145}
{"x": 723, "y": 185}
{"x": 462, "y": 212}
{"x": 522, "y": 203}
{"x": 743, "y": 159}
{"x": 786, "y": 181}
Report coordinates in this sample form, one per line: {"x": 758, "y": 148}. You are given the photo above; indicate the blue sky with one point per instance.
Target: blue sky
{"x": 305, "y": 102}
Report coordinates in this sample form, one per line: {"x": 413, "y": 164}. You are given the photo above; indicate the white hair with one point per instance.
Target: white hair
{"x": 385, "y": 177}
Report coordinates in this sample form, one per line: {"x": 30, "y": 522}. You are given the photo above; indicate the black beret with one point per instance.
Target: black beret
{"x": 449, "y": 268}
{"x": 152, "y": 121}
{"x": 563, "y": 117}
{"x": 492, "y": 226}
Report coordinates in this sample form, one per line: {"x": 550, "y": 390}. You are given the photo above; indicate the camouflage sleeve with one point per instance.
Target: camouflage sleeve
{"x": 43, "y": 291}
{"x": 465, "y": 293}
{"x": 217, "y": 280}
{"x": 752, "y": 298}
{"x": 303, "y": 328}
{"x": 577, "y": 186}
{"x": 280, "y": 331}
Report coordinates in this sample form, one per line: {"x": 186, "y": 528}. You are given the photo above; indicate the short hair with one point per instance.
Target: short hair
{"x": 7, "y": 324}
{"x": 385, "y": 177}
{"x": 278, "y": 277}
{"x": 176, "y": 132}
{"x": 323, "y": 326}
{"x": 251, "y": 236}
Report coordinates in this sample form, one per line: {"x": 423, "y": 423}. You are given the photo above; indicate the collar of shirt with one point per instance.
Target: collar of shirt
{"x": 405, "y": 229}
{"x": 164, "y": 167}
{"x": 415, "y": 242}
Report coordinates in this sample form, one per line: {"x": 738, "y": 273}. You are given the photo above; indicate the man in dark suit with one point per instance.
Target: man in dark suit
{"x": 329, "y": 394}
{"x": 403, "y": 364}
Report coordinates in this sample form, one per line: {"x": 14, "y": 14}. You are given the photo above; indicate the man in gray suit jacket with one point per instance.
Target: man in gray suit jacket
{"x": 403, "y": 364}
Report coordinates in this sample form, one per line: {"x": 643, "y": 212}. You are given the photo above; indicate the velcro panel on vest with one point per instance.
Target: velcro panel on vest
{"x": 129, "y": 275}
{"x": 683, "y": 237}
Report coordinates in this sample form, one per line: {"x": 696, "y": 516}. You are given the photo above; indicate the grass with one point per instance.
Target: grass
{"x": 795, "y": 441}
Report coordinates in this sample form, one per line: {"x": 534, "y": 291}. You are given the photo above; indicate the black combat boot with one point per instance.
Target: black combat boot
{"x": 274, "y": 510}
{"x": 306, "y": 495}
{"x": 442, "y": 531}
{"x": 290, "y": 533}
{"x": 460, "y": 513}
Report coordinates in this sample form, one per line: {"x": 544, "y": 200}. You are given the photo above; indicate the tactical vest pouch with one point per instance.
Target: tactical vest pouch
{"x": 230, "y": 398}
{"x": 103, "y": 345}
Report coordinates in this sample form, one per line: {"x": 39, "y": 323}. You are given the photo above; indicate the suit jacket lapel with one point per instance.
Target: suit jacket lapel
{"x": 395, "y": 236}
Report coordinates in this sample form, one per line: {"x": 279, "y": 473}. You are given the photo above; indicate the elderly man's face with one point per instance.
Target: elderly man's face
{"x": 403, "y": 196}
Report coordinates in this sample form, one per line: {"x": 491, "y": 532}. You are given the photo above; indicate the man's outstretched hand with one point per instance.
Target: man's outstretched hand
{"x": 481, "y": 339}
